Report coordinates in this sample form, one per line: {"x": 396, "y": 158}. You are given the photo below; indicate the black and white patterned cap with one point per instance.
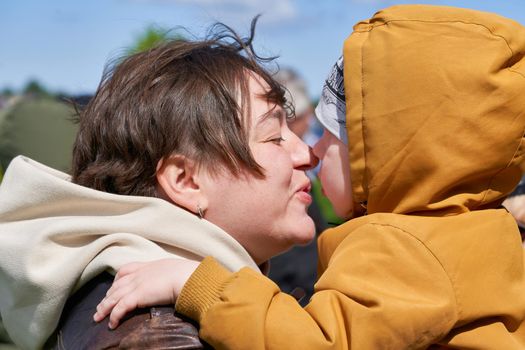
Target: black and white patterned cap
{"x": 331, "y": 109}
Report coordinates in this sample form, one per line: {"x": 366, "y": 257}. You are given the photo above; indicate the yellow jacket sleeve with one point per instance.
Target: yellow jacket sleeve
{"x": 382, "y": 289}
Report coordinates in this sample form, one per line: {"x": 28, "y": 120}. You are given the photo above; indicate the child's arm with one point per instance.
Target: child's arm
{"x": 381, "y": 289}
{"x": 139, "y": 285}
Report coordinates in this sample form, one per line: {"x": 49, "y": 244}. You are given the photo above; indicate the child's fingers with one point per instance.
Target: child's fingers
{"x": 108, "y": 303}
{"x": 121, "y": 283}
{"x": 104, "y": 308}
{"x": 127, "y": 269}
{"x": 124, "y": 305}
{"x": 141, "y": 284}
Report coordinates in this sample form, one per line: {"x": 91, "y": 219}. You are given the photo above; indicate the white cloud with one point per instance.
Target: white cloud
{"x": 273, "y": 10}
{"x": 373, "y": 2}
{"x": 214, "y": 2}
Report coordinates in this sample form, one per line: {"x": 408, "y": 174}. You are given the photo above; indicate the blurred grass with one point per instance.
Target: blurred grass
{"x": 327, "y": 210}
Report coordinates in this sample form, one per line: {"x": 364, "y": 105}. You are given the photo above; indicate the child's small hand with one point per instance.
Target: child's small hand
{"x": 138, "y": 285}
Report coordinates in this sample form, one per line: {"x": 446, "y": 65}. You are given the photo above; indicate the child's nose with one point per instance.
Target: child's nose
{"x": 317, "y": 150}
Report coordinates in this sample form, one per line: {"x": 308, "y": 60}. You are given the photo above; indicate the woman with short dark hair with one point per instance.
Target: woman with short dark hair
{"x": 183, "y": 152}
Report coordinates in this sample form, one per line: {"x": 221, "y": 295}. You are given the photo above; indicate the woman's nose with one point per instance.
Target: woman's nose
{"x": 314, "y": 160}
{"x": 303, "y": 156}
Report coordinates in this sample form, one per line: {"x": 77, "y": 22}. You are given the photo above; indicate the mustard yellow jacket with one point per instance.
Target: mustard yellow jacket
{"x": 435, "y": 117}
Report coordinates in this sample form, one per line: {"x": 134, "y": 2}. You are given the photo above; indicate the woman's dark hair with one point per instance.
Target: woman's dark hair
{"x": 188, "y": 97}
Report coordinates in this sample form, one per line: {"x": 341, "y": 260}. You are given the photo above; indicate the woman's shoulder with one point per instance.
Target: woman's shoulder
{"x": 155, "y": 327}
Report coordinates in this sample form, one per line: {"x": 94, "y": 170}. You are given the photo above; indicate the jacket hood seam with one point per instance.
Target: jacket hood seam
{"x": 387, "y": 21}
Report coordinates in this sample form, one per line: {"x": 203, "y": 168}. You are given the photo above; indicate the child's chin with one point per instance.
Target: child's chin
{"x": 345, "y": 212}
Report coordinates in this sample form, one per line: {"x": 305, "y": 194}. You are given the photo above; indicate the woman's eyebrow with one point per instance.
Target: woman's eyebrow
{"x": 275, "y": 112}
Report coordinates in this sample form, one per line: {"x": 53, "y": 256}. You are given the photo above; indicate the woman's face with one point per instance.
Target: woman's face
{"x": 266, "y": 215}
{"x": 334, "y": 173}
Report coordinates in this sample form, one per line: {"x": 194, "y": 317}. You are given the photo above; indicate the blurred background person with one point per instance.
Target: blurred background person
{"x": 297, "y": 93}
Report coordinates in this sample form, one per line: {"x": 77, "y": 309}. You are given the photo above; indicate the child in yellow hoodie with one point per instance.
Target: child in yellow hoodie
{"x": 428, "y": 143}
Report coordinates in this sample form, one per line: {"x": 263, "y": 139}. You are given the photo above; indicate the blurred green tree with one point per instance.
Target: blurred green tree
{"x": 152, "y": 36}
{"x": 7, "y": 92}
{"x": 34, "y": 88}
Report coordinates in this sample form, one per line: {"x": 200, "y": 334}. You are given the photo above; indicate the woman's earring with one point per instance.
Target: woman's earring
{"x": 200, "y": 212}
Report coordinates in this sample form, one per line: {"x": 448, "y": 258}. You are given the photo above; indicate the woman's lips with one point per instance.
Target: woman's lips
{"x": 303, "y": 191}
{"x": 304, "y": 197}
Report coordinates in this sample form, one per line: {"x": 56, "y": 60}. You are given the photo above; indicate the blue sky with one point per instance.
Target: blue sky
{"x": 65, "y": 44}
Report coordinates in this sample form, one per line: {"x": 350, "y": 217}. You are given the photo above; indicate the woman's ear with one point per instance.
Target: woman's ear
{"x": 178, "y": 182}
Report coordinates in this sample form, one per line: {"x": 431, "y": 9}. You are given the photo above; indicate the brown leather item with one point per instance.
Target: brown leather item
{"x": 153, "y": 328}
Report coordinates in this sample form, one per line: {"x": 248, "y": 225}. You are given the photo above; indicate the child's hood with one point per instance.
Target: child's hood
{"x": 435, "y": 109}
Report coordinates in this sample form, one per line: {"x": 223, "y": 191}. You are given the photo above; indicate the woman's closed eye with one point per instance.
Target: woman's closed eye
{"x": 276, "y": 140}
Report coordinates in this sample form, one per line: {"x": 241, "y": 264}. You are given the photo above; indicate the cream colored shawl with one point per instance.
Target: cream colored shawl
{"x": 55, "y": 236}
